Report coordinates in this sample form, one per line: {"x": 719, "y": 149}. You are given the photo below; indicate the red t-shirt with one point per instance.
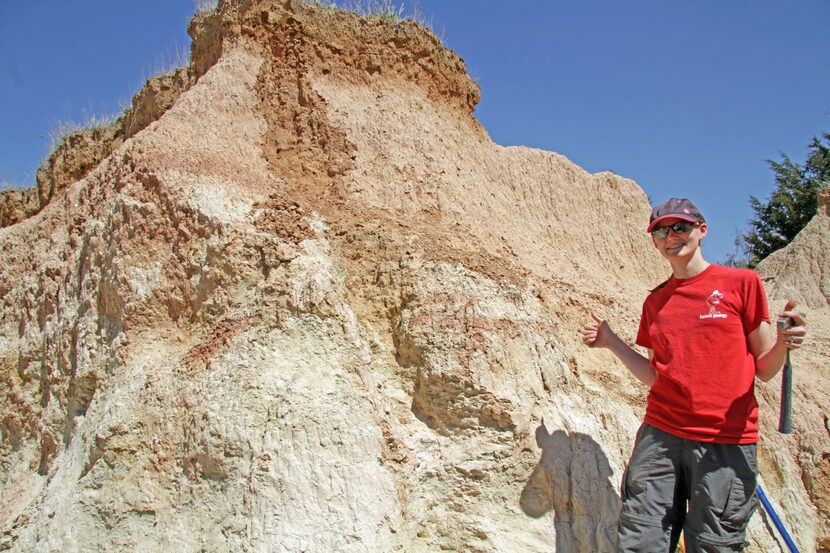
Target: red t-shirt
{"x": 698, "y": 328}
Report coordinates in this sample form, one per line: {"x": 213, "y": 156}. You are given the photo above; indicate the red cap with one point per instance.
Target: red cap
{"x": 675, "y": 208}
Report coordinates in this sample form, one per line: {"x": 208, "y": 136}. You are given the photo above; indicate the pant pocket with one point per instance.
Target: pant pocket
{"x": 741, "y": 503}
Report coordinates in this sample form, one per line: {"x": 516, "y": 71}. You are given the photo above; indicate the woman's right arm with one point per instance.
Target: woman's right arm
{"x": 600, "y": 335}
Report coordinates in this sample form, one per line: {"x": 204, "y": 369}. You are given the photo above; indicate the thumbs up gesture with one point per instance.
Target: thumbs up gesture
{"x": 597, "y": 335}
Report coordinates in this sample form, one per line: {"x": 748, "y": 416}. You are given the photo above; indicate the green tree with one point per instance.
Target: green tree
{"x": 791, "y": 205}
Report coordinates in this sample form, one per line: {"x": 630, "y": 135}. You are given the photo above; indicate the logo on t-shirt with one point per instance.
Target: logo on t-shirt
{"x": 713, "y": 301}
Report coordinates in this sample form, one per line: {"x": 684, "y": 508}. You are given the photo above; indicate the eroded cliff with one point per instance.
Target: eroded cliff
{"x": 303, "y": 302}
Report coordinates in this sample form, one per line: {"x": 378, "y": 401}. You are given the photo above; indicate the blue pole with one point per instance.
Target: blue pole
{"x": 777, "y": 521}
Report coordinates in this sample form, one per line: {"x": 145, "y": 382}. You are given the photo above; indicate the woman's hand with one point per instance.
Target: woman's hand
{"x": 792, "y": 337}
{"x": 597, "y": 335}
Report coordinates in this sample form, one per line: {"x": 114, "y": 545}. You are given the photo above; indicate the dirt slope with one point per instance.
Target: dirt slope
{"x": 305, "y": 303}
{"x": 801, "y": 271}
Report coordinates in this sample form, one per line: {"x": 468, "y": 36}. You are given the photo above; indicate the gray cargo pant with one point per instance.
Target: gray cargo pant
{"x": 665, "y": 473}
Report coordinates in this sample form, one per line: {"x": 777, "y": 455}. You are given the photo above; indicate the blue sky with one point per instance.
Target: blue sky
{"x": 686, "y": 98}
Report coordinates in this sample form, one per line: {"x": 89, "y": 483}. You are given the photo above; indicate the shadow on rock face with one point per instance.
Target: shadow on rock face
{"x": 573, "y": 479}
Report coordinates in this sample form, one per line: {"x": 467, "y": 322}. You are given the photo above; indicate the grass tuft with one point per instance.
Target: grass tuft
{"x": 327, "y": 4}
{"x": 62, "y": 129}
{"x": 175, "y": 57}
{"x": 206, "y": 6}
{"x": 6, "y": 183}
{"x": 386, "y": 9}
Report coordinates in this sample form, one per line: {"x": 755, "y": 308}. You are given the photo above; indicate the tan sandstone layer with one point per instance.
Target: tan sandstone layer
{"x": 299, "y": 300}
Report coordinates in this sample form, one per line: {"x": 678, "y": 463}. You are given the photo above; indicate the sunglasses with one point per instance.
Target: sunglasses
{"x": 678, "y": 228}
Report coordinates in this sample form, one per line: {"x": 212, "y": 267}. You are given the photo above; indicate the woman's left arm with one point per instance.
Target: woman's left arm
{"x": 770, "y": 354}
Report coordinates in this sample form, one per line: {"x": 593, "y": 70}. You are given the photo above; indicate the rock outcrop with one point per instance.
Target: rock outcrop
{"x": 801, "y": 271}
{"x": 302, "y": 302}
